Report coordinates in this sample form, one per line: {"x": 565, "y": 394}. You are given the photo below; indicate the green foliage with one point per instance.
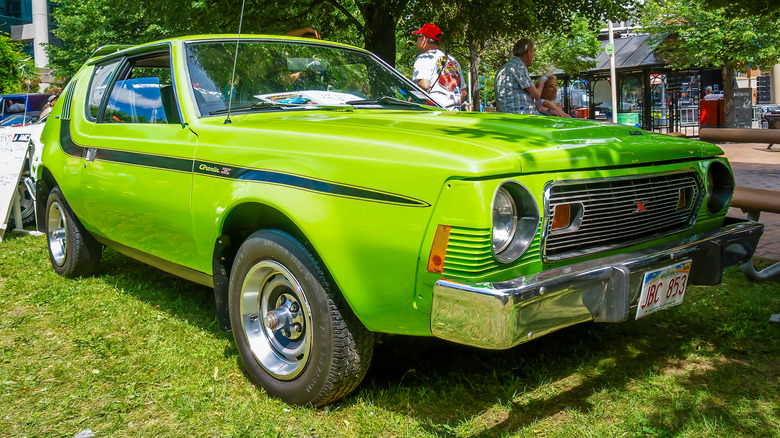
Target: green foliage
{"x": 572, "y": 47}
{"x": 693, "y": 35}
{"x": 745, "y": 7}
{"x": 15, "y": 69}
{"x": 84, "y": 26}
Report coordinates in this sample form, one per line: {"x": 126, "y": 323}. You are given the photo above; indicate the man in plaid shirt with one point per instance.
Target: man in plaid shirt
{"x": 515, "y": 92}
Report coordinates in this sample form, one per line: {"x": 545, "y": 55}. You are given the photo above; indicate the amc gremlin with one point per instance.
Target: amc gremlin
{"x": 326, "y": 199}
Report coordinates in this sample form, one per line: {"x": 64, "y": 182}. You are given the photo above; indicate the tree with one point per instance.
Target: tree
{"x": 745, "y": 7}
{"x": 693, "y": 35}
{"x": 573, "y": 47}
{"x": 16, "y": 66}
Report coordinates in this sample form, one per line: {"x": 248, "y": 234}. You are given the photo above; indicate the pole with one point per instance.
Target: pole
{"x": 40, "y": 19}
{"x": 612, "y": 75}
{"x": 469, "y": 93}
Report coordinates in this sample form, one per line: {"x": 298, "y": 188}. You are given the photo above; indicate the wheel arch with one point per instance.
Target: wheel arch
{"x": 43, "y": 185}
{"x": 239, "y": 223}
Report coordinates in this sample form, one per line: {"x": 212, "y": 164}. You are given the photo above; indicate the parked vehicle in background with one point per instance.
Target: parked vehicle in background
{"x": 18, "y": 119}
{"x": 13, "y": 104}
{"x": 326, "y": 199}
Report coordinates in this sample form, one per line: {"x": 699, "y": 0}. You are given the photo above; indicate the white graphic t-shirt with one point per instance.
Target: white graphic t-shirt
{"x": 443, "y": 72}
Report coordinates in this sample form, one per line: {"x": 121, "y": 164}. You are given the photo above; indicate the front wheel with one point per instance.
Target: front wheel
{"x": 296, "y": 337}
{"x": 72, "y": 250}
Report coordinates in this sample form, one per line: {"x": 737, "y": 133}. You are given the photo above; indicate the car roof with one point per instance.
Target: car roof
{"x": 24, "y": 95}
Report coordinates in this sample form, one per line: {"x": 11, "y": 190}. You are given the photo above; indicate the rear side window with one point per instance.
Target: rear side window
{"x": 143, "y": 92}
{"x": 100, "y": 81}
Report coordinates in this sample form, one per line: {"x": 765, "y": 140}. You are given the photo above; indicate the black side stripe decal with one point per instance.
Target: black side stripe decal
{"x": 305, "y": 183}
{"x": 236, "y": 173}
{"x": 145, "y": 160}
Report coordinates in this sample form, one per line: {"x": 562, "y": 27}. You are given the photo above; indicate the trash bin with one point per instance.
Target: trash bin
{"x": 711, "y": 113}
{"x": 631, "y": 119}
{"x": 582, "y": 113}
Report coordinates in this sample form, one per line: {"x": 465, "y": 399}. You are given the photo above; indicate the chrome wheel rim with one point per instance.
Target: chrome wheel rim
{"x": 276, "y": 319}
{"x": 56, "y": 231}
{"x": 26, "y": 202}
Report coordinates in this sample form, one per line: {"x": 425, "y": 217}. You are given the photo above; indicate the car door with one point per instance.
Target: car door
{"x": 137, "y": 175}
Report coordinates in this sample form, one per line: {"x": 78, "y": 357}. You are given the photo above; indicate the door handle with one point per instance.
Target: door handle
{"x": 91, "y": 154}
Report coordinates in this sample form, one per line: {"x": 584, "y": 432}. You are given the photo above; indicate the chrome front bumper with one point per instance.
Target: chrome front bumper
{"x": 502, "y": 315}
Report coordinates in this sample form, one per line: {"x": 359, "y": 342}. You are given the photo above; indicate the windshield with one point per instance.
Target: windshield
{"x": 281, "y": 75}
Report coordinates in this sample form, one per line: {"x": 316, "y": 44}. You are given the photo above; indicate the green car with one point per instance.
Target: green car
{"x": 326, "y": 199}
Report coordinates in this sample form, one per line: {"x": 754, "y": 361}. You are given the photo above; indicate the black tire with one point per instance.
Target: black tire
{"x": 275, "y": 279}
{"x": 73, "y": 252}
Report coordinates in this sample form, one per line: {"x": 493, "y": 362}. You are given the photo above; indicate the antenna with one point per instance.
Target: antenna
{"x": 235, "y": 58}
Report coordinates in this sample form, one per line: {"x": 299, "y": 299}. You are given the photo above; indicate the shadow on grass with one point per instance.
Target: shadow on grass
{"x": 447, "y": 386}
{"x": 168, "y": 293}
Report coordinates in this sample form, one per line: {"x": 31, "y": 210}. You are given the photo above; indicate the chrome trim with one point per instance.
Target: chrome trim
{"x": 516, "y": 248}
{"x": 727, "y": 204}
{"x": 572, "y": 254}
{"x": 504, "y": 314}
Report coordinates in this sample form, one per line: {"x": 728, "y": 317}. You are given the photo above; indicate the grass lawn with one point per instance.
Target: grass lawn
{"x": 136, "y": 352}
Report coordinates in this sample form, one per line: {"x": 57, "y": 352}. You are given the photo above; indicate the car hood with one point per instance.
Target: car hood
{"x": 479, "y": 142}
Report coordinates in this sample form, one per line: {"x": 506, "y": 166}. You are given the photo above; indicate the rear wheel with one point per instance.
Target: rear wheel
{"x": 72, "y": 250}
{"x": 296, "y": 337}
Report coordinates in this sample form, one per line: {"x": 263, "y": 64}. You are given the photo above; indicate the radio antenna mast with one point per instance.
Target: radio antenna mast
{"x": 235, "y": 58}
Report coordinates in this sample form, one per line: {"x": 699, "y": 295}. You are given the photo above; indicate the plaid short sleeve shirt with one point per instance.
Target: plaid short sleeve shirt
{"x": 511, "y": 81}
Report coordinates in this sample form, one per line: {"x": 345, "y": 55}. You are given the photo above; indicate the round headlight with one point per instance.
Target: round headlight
{"x": 515, "y": 221}
{"x": 720, "y": 187}
{"x": 504, "y": 220}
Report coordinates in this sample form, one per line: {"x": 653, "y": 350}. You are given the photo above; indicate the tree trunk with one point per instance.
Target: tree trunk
{"x": 728, "y": 96}
{"x": 475, "y": 57}
{"x": 379, "y": 30}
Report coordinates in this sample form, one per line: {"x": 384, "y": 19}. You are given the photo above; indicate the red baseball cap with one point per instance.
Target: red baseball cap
{"x": 430, "y": 30}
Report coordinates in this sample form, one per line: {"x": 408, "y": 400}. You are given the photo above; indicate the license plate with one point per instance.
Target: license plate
{"x": 663, "y": 288}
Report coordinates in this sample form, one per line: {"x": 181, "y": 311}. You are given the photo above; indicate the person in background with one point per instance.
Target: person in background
{"x": 16, "y": 106}
{"x": 709, "y": 95}
{"x": 304, "y": 32}
{"x": 49, "y": 105}
{"x": 436, "y": 72}
{"x": 550, "y": 94}
{"x": 515, "y": 91}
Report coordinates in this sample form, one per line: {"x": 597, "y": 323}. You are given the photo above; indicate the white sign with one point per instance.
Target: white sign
{"x": 14, "y": 148}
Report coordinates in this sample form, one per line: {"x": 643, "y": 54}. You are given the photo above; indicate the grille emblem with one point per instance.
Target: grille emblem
{"x": 640, "y": 206}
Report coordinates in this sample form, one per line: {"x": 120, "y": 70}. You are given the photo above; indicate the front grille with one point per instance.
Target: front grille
{"x": 619, "y": 212}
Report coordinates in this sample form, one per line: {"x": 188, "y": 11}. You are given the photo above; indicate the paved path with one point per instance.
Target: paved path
{"x": 755, "y": 166}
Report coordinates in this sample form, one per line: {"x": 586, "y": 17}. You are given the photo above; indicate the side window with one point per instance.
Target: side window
{"x": 143, "y": 92}
{"x": 98, "y": 86}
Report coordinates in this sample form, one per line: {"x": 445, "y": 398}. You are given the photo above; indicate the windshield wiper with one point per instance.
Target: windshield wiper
{"x": 283, "y": 106}
{"x": 257, "y": 105}
{"x": 386, "y": 100}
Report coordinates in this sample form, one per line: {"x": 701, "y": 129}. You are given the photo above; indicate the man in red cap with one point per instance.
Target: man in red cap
{"x": 436, "y": 72}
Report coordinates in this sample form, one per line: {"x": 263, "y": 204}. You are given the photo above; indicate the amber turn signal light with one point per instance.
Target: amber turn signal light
{"x": 561, "y": 217}
{"x": 439, "y": 249}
